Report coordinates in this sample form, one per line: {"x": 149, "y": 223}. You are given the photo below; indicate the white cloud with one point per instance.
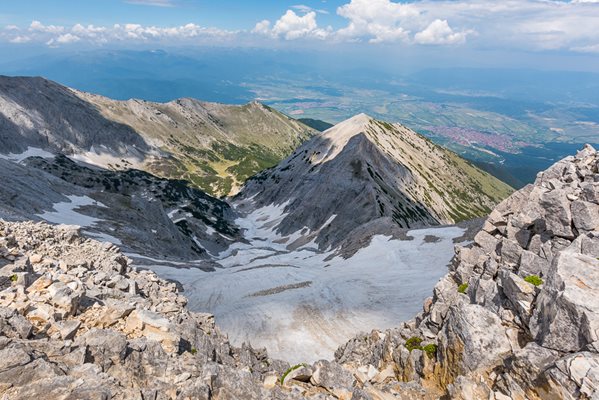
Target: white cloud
{"x": 376, "y": 20}
{"x": 59, "y": 35}
{"x": 20, "y": 39}
{"x": 506, "y": 25}
{"x": 292, "y": 26}
{"x": 306, "y": 9}
{"x": 67, "y": 38}
{"x": 439, "y": 32}
{"x": 262, "y": 28}
{"x": 37, "y": 26}
{"x": 593, "y": 48}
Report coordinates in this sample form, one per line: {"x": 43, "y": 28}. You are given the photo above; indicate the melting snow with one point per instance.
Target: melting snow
{"x": 30, "y": 152}
{"x": 65, "y": 212}
{"x": 301, "y": 307}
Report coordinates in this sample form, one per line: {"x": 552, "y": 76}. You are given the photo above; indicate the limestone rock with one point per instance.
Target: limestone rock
{"x": 567, "y": 314}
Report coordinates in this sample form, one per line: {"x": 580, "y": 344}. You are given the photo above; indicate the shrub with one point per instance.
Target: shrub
{"x": 462, "y": 288}
{"x": 413, "y": 343}
{"x": 194, "y": 351}
{"x": 14, "y": 278}
{"x": 430, "y": 350}
{"x": 534, "y": 280}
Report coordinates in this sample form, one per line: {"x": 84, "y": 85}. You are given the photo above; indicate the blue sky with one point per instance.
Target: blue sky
{"x": 227, "y": 14}
{"x": 560, "y": 28}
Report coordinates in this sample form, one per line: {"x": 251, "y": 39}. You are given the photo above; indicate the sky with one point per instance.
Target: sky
{"x": 565, "y": 31}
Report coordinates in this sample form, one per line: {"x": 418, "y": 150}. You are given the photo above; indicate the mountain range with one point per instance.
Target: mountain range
{"x": 215, "y": 147}
{"x": 326, "y": 235}
{"x": 382, "y": 170}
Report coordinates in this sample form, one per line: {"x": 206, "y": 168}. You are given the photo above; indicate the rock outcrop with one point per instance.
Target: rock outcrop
{"x": 78, "y": 322}
{"x": 518, "y": 315}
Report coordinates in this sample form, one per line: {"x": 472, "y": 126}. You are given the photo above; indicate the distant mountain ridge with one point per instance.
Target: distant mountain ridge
{"x": 213, "y": 146}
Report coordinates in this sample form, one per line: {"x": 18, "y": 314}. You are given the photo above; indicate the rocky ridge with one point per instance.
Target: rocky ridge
{"x": 363, "y": 170}
{"x": 517, "y": 316}
{"x": 213, "y": 146}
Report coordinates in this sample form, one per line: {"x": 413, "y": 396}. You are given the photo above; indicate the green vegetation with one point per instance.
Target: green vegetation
{"x": 534, "y": 280}
{"x": 297, "y": 366}
{"x": 194, "y": 351}
{"x": 14, "y": 278}
{"x": 413, "y": 343}
{"x": 462, "y": 288}
{"x": 430, "y": 350}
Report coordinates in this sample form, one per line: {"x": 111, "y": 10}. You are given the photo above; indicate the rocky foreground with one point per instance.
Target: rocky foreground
{"x": 517, "y": 317}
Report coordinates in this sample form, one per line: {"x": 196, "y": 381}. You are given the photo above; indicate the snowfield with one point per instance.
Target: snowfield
{"x": 301, "y": 304}
{"x": 302, "y": 307}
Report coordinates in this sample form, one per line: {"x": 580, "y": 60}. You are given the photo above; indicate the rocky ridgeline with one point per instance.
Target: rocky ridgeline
{"x": 517, "y": 317}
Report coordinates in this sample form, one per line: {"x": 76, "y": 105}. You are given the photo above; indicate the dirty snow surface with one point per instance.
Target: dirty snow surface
{"x": 30, "y": 152}
{"x": 302, "y": 307}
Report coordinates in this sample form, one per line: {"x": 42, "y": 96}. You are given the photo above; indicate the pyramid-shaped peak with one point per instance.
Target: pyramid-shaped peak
{"x": 350, "y": 127}
{"x": 359, "y": 119}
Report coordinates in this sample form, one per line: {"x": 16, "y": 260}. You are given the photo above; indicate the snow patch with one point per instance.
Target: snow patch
{"x": 65, "y": 212}
{"x": 30, "y": 152}
{"x": 301, "y": 307}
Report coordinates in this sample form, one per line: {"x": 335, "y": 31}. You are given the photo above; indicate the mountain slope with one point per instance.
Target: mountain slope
{"x": 160, "y": 218}
{"x": 363, "y": 169}
{"x": 215, "y": 147}
{"x": 38, "y": 113}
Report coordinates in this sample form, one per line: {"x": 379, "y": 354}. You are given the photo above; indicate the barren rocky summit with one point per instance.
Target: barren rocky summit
{"x": 517, "y": 317}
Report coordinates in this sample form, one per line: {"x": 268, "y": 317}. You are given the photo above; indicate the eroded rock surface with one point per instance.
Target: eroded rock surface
{"x": 518, "y": 315}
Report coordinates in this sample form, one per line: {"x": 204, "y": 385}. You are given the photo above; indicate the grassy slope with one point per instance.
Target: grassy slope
{"x": 215, "y": 147}
{"x": 443, "y": 181}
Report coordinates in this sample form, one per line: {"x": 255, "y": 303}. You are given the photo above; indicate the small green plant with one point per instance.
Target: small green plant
{"x": 14, "y": 278}
{"x": 462, "y": 288}
{"x": 194, "y": 351}
{"x": 413, "y": 343}
{"x": 282, "y": 380}
{"x": 534, "y": 280}
{"x": 430, "y": 350}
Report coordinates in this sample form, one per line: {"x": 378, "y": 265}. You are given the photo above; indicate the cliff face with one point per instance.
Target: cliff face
{"x": 518, "y": 315}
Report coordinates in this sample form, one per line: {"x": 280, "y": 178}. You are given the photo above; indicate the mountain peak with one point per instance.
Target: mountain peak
{"x": 341, "y": 133}
{"x": 356, "y": 123}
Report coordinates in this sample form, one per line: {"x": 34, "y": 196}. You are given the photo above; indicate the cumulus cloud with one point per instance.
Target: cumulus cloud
{"x": 262, "y": 28}
{"x": 20, "y": 39}
{"x": 376, "y": 20}
{"x": 439, "y": 32}
{"x": 37, "y": 26}
{"x": 507, "y": 24}
{"x": 54, "y": 36}
{"x": 292, "y": 26}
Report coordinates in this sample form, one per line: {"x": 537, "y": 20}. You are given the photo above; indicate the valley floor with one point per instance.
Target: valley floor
{"x": 300, "y": 306}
